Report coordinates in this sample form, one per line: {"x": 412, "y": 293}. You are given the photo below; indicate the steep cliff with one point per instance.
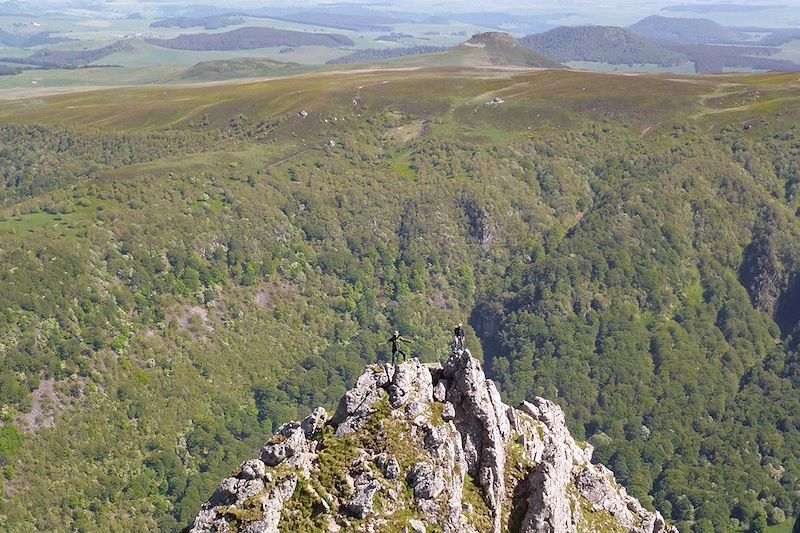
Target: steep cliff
{"x": 421, "y": 447}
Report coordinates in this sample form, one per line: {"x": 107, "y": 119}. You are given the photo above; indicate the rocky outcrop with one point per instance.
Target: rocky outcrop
{"x": 420, "y": 447}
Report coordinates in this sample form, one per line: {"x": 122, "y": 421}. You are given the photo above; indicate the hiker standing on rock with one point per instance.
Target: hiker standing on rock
{"x": 458, "y": 337}
{"x": 396, "y": 339}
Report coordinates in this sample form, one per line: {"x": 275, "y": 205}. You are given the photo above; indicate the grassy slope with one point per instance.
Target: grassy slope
{"x": 125, "y": 410}
{"x": 786, "y": 527}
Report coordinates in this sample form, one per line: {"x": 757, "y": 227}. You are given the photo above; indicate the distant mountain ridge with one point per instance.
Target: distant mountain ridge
{"x": 606, "y": 44}
{"x": 684, "y": 30}
{"x": 490, "y": 49}
{"x": 25, "y": 41}
{"x": 210, "y": 22}
{"x": 251, "y": 37}
{"x": 12, "y": 8}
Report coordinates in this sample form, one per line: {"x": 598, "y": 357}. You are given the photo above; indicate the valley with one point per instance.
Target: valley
{"x": 187, "y": 266}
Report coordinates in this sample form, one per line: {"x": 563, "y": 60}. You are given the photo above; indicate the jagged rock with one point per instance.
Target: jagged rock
{"x": 356, "y": 405}
{"x": 290, "y": 440}
{"x": 314, "y": 423}
{"x": 253, "y": 469}
{"x": 411, "y": 383}
{"x": 332, "y": 526}
{"x": 212, "y": 519}
{"x": 271, "y": 506}
{"x": 481, "y": 419}
{"x": 548, "y": 508}
{"x": 392, "y": 471}
{"x": 427, "y": 481}
{"x": 362, "y": 504}
{"x": 364, "y": 479}
{"x": 415, "y": 409}
{"x": 440, "y": 391}
{"x": 448, "y": 411}
{"x": 417, "y": 526}
{"x": 381, "y": 460}
{"x": 559, "y": 491}
{"x": 596, "y": 484}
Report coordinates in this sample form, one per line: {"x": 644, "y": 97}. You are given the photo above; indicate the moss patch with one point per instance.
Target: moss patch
{"x": 518, "y": 468}
{"x": 304, "y": 511}
{"x": 481, "y": 515}
{"x": 437, "y": 409}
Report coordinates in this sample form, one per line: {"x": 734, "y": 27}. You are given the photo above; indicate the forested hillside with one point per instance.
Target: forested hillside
{"x": 184, "y": 269}
{"x": 685, "y": 30}
{"x": 606, "y": 44}
{"x": 67, "y": 58}
{"x": 249, "y": 38}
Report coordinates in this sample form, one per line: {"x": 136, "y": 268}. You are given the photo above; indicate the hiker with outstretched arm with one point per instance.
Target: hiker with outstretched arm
{"x": 396, "y": 339}
{"x": 458, "y": 337}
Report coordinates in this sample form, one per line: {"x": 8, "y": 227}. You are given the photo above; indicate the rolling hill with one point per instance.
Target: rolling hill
{"x": 28, "y": 40}
{"x": 372, "y": 55}
{"x": 229, "y": 69}
{"x": 186, "y": 268}
{"x": 210, "y": 22}
{"x": 249, "y": 38}
{"x": 68, "y": 58}
{"x": 606, "y": 44}
{"x": 694, "y": 30}
{"x": 11, "y": 8}
{"x": 343, "y": 21}
{"x": 491, "y": 49}
{"x": 501, "y": 49}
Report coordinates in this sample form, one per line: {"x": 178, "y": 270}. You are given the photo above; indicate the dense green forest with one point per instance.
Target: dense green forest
{"x": 249, "y": 38}
{"x": 606, "y": 44}
{"x": 68, "y": 58}
{"x": 177, "y": 283}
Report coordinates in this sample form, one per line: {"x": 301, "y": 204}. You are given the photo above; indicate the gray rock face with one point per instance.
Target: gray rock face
{"x": 289, "y": 441}
{"x": 411, "y": 383}
{"x": 362, "y": 505}
{"x": 474, "y": 433}
{"x": 271, "y": 506}
{"x": 355, "y": 407}
{"x": 254, "y": 483}
{"x": 314, "y": 423}
{"x": 392, "y": 470}
{"x": 480, "y": 417}
{"x": 211, "y": 520}
{"x": 417, "y": 526}
{"x": 253, "y": 469}
{"x": 440, "y": 391}
{"x": 427, "y": 481}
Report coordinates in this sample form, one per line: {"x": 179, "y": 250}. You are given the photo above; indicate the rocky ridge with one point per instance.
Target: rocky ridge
{"x": 420, "y": 448}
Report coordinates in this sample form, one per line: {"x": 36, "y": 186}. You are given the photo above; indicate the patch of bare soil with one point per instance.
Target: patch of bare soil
{"x": 195, "y": 311}
{"x": 45, "y": 404}
{"x": 266, "y": 297}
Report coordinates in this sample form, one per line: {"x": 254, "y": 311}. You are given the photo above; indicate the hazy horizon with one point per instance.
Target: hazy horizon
{"x": 770, "y": 13}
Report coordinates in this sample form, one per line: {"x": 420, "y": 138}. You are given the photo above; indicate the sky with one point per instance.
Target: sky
{"x": 772, "y": 13}
{"x": 450, "y": 5}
